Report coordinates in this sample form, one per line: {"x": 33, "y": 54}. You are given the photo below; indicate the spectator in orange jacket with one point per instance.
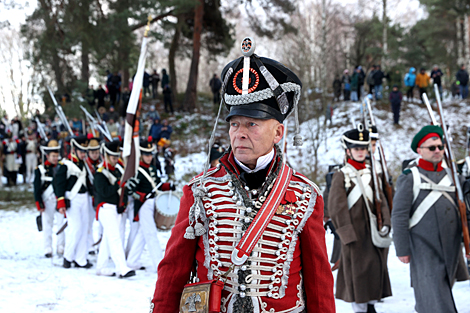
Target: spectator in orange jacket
{"x": 422, "y": 81}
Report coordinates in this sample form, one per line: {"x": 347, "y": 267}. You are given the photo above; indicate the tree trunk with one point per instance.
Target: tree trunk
{"x": 85, "y": 58}
{"x": 466, "y": 41}
{"x": 323, "y": 76}
{"x": 191, "y": 89}
{"x": 171, "y": 60}
{"x": 384, "y": 33}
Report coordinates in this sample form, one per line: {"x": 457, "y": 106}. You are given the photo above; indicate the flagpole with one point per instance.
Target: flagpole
{"x": 131, "y": 151}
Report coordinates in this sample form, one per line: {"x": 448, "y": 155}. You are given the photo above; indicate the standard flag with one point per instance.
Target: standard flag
{"x": 131, "y": 151}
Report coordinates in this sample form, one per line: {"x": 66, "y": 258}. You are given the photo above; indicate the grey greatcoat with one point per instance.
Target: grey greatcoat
{"x": 362, "y": 273}
{"x": 433, "y": 243}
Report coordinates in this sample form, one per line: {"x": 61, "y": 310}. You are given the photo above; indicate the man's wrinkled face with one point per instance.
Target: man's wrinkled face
{"x": 251, "y": 138}
{"x": 94, "y": 154}
{"x": 425, "y": 152}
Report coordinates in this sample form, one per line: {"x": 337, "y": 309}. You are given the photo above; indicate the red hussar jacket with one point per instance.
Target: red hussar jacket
{"x": 288, "y": 270}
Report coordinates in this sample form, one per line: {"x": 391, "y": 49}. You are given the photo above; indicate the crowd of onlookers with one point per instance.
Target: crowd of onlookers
{"x": 118, "y": 96}
{"x": 351, "y": 87}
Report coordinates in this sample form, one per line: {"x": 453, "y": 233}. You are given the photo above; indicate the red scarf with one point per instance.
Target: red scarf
{"x": 357, "y": 165}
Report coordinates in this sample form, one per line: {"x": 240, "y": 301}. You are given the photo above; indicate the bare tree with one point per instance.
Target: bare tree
{"x": 20, "y": 78}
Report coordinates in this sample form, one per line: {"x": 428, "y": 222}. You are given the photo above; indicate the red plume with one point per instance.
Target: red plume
{"x": 89, "y": 136}
{"x": 120, "y": 138}
{"x": 150, "y": 139}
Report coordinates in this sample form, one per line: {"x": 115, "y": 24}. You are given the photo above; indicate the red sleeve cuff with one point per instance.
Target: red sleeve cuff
{"x": 39, "y": 205}
{"x": 60, "y": 203}
{"x": 165, "y": 187}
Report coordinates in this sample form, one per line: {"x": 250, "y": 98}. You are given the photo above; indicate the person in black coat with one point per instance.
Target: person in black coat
{"x": 462, "y": 81}
{"x": 100, "y": 95}
{"x": 337, "y": 88}
{"x": 395, "y": 102}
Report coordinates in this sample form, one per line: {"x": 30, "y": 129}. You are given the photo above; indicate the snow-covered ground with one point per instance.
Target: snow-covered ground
{"x": 31, "y": 283}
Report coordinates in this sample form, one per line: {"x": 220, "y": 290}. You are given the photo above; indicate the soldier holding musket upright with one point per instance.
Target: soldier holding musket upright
{"x": 426, "y": 222}
{"x": 362, "y": 274}
{"x": 71, "y": 189}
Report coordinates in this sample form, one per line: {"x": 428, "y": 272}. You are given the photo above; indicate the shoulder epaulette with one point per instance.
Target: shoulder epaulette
{"x": 461, "y": 161}
{"x": 100, "y": 169}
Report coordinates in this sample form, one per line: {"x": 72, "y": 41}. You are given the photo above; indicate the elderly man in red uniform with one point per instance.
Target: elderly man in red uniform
{"x": 251, "y": 222}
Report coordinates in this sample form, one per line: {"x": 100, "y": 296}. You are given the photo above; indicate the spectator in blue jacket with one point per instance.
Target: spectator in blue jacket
{"x": 156, "y": 130}
{"x": 166, "y": 130}
{"x": 410, "y": 80}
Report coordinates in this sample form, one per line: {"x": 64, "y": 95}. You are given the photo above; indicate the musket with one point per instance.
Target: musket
{"x": 95, "y": 125}
{"x": 62, "y": 228}
{"x": 42, "y": 133}
{"x": 60, "y": 112}
{"x": 353, "y": 121}
{"x": 104, "y": 126}
{"x": 373, "y": 164}
{"x": 455, "y": 176}
{"x": 387, "y": 188}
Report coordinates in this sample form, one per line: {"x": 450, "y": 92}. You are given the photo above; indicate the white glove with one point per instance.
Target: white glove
{"x": 384, "y": 231}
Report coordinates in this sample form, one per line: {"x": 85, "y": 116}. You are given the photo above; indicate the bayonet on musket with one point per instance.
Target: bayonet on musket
{"x": 387, "y": 187}
{"x": 42, "y": 133}
{"x": 375, "y": 180}
{"x": 96, "y": 125}
{"x": 451, "y": 162}
{"x": 60, "y": 112}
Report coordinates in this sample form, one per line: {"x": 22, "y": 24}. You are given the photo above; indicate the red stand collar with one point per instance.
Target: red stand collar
{"x": 90, "y": 161}
{"x": 143, "y": 164}
{"x": 428, "y": 166}
{"x": 47, "y": 163}
{"x": 108, "y": 166}
{"x": 357, "y": 165}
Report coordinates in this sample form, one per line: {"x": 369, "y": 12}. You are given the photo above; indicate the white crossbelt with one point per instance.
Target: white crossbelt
{"x": 74, "y": 170}
{"x": 151, "y": 181}
{"x": 44, "y": 178}
{"x": 356, "y": 193}
{"x": 437, "y": 190}
{"x": 111, "y": 178}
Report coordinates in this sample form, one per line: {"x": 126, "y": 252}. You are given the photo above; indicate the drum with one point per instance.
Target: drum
{"x": 167, "y": 205}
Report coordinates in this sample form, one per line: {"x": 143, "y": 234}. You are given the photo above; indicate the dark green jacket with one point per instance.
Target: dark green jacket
{"x": 61, "y": 184}
{"x": 106, "y": 190}
{"x": 139, "y": 184}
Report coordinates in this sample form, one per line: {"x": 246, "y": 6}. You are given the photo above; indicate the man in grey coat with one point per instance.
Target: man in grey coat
{"x": 427, "y": 226}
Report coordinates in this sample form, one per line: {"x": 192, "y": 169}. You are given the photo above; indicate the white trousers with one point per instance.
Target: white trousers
{"x": 31, "y": 163}
{"x": 48, "y": 222}
{"x": 361, "y": 307}
{"x": 76, "y": 246}
{"x": 146, "y": 234}
{"x": 91, "y": 219}
{"x": 134, "y": 226}
{"x": 111, "y": 244}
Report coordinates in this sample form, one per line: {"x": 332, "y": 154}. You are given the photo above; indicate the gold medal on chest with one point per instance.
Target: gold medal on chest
{"x": 286, "y": 209}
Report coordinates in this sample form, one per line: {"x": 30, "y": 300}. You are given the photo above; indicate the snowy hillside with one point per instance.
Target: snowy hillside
{"x": 31, "y": 283}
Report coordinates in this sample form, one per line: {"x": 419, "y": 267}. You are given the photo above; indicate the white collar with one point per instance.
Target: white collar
{"x": 261, "y": 163}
